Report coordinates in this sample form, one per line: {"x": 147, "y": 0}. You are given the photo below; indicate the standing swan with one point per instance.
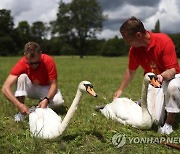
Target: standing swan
{"x": 46, "y": 124}
{"x": 126, "y": 111}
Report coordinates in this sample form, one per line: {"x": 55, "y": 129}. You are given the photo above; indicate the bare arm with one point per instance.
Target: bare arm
{"x": 7, "y": 91}
{"x": 128, "y": 76}
{"x": 52, "y": 91}
{"x": 167, "y": 75}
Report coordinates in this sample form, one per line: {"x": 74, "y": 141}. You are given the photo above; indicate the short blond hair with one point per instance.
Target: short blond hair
{"x": 31, "y": 49}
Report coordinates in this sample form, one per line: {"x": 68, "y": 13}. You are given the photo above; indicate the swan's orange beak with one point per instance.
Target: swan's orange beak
{"x": 91, "y": 91}
{"x": 154, "y": 82}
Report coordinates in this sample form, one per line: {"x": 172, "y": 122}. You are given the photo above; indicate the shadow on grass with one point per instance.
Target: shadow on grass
{"x": 62, "y": 110}
{"x": 177, "y": 122}
{"x": 98, "y": 135}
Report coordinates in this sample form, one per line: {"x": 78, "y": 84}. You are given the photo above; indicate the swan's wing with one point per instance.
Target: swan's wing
{"x": 123, "y": 110}
{"x": 44, "y": 123}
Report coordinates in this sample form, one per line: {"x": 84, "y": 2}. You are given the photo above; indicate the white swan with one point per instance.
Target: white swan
{"x": 126, "y": 111}
{"x": 46, "y": 124}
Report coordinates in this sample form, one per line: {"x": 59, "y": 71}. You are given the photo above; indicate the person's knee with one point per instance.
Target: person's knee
{"x": 58, "y": 101}
{"x": 172, "y": 88}
{"x": 173, "y": 105}
{"x": 55, "y": 106}
{"x": 22, "y": 78}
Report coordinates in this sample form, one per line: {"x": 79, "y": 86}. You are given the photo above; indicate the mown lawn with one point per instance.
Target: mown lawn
{"x": 88, "y": 131}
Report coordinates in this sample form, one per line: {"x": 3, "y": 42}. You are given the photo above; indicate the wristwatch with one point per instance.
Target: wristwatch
{"x": 47, "y": 99}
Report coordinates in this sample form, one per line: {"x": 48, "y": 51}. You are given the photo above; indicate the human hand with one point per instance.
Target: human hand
{"x": 117, "y": 94}
{"x": 160, "y": 78}
{"x": 23, "y": 109}
{"x": 43, "y": 103}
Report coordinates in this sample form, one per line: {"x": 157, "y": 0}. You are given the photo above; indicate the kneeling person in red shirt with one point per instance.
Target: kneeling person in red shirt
{"x": 35, "y": 76}
{"x": 154, "y": 52}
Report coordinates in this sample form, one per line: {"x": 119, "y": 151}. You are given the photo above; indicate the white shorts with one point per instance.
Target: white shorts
{"x": 26, "y": 88}
{"x": 166, "y": 98}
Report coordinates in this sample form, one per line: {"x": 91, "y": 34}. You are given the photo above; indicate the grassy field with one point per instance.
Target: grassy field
{"x": 88, "y": 131}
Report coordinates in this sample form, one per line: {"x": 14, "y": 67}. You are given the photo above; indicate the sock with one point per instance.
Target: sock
{"x": 168, "y": 125}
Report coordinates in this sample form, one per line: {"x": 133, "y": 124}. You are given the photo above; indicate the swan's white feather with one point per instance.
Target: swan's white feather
{"x": 126, "y": 111}
{"x": 123, "y": 110}
{"x": 44, "y": 123}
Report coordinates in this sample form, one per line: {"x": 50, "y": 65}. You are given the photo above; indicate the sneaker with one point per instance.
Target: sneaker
{"x": 166, "y": 129}
{"x": 19, "y": 117}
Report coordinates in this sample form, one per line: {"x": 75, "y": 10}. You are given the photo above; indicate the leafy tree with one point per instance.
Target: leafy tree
{"x": 6, "y": 22}
{"x": 39, "y": 31}
{"x": 93, "y": 46}
{"x": 77, "y": 22}
{"x": 51, "y": 46}
{"x": 114, "y": 47}
{"x": 22, "y": 34}
{"x": 157, "y": 27}
{"x": 176, "y": 40}
{"x": 7, "y": 45}
{"x": 24, "y": 30}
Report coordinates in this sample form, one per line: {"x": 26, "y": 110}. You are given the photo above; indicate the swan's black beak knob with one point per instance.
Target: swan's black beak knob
{"x": 154, "y": 81}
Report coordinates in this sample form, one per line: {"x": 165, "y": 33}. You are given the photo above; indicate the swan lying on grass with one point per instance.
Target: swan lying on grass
{"x": 46, "y": 124}
{"x": 126, "y": 111}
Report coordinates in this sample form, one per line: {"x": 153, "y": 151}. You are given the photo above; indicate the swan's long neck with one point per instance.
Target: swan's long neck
{"x": 144, "y": 95}
{"x": 70, "y": 112}
{"x": 146, "y": 120}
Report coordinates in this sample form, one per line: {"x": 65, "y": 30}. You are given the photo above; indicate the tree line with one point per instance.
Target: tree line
{"x": 72, "y": 33}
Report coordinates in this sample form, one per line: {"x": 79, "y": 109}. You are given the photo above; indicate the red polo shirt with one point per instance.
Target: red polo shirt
{"x": 158, "y": 57}
{"x": 45, "y": 72}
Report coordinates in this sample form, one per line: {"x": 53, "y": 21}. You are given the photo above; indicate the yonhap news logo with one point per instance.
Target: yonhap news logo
{"x": 120, "y": 139}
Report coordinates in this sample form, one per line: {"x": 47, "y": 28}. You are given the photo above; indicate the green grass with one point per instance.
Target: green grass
{"x": 88, "y": 131}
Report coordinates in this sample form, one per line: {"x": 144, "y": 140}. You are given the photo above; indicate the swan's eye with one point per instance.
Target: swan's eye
{"x": 152, "y": 76}
{"x": 88, "y": 85}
